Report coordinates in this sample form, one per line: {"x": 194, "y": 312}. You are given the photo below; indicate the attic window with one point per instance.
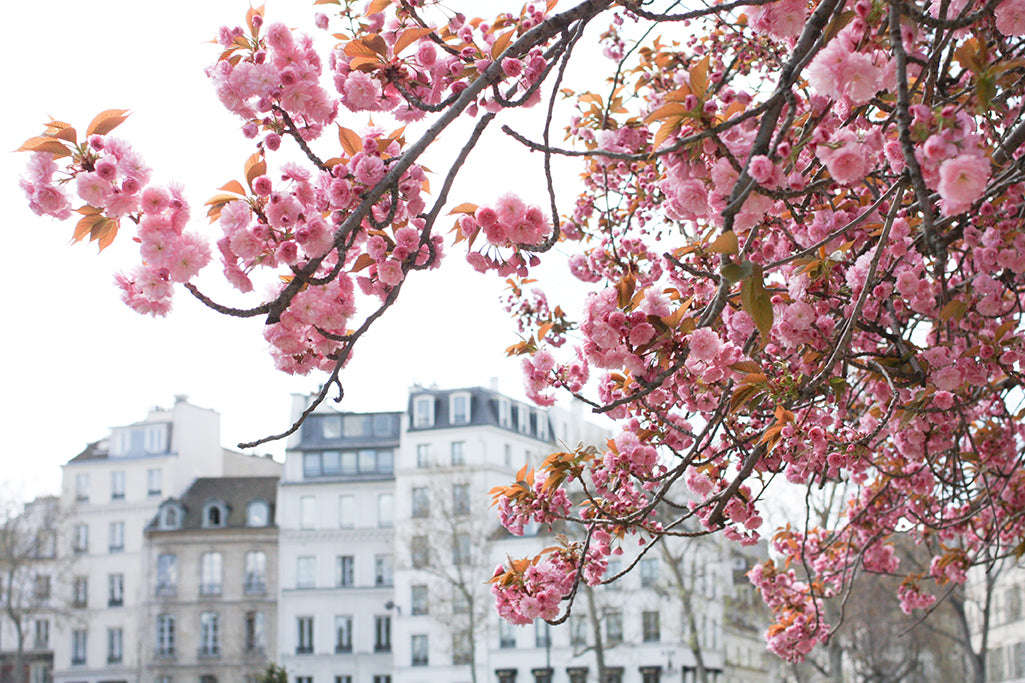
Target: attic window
{"x": 170, "y": 517}
{"x": 215, "y": 514}
{"x": 459, "y": 409}
{"x": 423, "y": 411}
{"x": 504, "y": 413}
{"x": 257, "y": 513}
{"x": 542, "y": 425}
{"x": 523, "y": 419}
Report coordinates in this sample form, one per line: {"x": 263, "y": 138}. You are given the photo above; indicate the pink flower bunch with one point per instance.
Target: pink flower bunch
{"x": 279, "y": 70}
{"x": 169, "y": 253}
{"x": 780, "y": 19}
{"x": 846, "y": 157}
{"x": 537, "y": 592}
{"x": 543, "y": 506}
{"x": 799, "y": 625}
{"x": 44, "y": 197}
{"x": 306, "y": 335}
{"x": 111, "y": 177}
{"x": 840, "y": 71}
{"x": 911, "y": 597}
{"x": 510, "y": 222}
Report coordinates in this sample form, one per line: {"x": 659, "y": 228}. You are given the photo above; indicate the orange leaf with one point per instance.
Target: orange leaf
{"x": 407, "y": 37}
{"x": 358, "y": 48}
{"x": 377, "y": 6}
{"x": 351, "y": 142}
{"x": 725, "y": 243}
{"x": 699, "y": 78}
{"x": 501, "y": 43}
{"x": 85, "y": 226}
{"x": 366, "y": 63}
{"x": 44, "y": 144}
{"x": 667, "y": 111}
{"x": 106, "y": 121}
{"x": 220, "y": 199}
{"x": 465, "y": 207}
{"x": 66, "y": 133}
{"x": 233, "y": 186}
{"x": 255, "y": 167}
{"x": 364, "y": 261}
{"x": 253, "y": 12}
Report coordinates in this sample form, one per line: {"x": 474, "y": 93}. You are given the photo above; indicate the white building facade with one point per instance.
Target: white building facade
{"x": 113, "y": 489}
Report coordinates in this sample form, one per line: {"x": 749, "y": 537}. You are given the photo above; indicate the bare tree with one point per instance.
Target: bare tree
{"x": 450, "y": 541}
{"x": 29, "y": 565}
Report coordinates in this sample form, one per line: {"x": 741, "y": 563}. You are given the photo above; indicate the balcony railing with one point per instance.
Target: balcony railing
{"x": 166, "y": 590}
{"x": 255, "y": 586}
{"x": 213, "y": 650}
{"x": 209, "y": 589}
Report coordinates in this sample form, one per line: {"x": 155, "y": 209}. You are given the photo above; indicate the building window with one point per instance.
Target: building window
{"x": 256, "y": 573}
{"x": 382, "y": 678}
{"x": 210, "y": 574}
{"x": 383, "y": 570}
{"x": 460, "y": 600}
{"x": 115, "y": 645}
{"x": 257, "y": 513}
{"x": 460, "y": 499}
{"x": 650, "y": 627}
{"x": 209, "y": 634}
{"x": 523, "y": 419}
{"x": 385, "y": 510}
{"x": 653, "y": 674}
{"x": 613, "y": 674}
{"x": 78, "y": 646}
{"x": 542, "y": 634}
{"x": 346, "y": 512}
{"x": 418, "y": 648}
{"x": 81, "y": 539}
{"x": 215, "y": 515}
{"x": 419, "y": 599}
{"x": 154, "y": 486}
{"x": 421, "y": 502}
{"x": 459, "y": 409}
{"x": 506, "y": 634}
{"x": 614, "y": 627}
{"x": 458, "y": 453}
{"x": 542, "y": 425}
{"x": 382, "y": 633}
{"x": 343, "y": 633}
{"x": 419, "y": 550}
{"x": 612, "y": 569}
{"x": 165, "y": 635}
{"x": 170, "y": 516}
{"x": 331, "y": 426}
{"x": 82, "y": 488}
{"x": 80, "y": 592}
{"x": 423, "y": 411}
{"x": 115, "y": 590}
{"x": 578, "y": 630}
{"x": 507, "y": 455}
{"x": 41, "y": 641}
{"x": 304, "y": 635}
{"x": 543, "y": 675}
{"x": 167, "y": 574}
{"x": 117, "y": 485}
{"x": 41, "y": 588}
{"x": 307, "y": 512}
{"x": 343, "y": 679}
{"x": 117, "y": 537}
{"x": 345, "y": 571}
{"x": 506, "y": 675}
{"x": 207, "y": 678}
{"x": 649, "y": 572}
{"x": 256, "y": 640}
{"x": 461, "y": 549}
{"x": 41, "y": 673}
{"x": 306, "y": 572}
{"x": 462, "y": 648}
{"x": 504, "y": 413}
{"x": 423, "y": 455}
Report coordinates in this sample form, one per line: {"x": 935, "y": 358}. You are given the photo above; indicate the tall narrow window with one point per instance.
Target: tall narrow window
{"x": 382, "y": 633}
{"x": 385, "y": 510}
{"x": 423, "y": 411}
{"x": 504, "y": 413}
{"x": 115, "y": 590}
{"x": 460, "y": 499}
{"x": 82, "y": 487}
{"x": 419, "y": 599}
{"x": 418, "y": 648}
{"x": 461, "y": 549}
{"x": 117, "y": 537}
{"x": 346, "y": 511}
{"x": 209, "y": 634}
{"x": 649, "y": 572}
{"x": 459, "y": 409}
{"x": 614, "y": 627}
{"x": 423, "y": 455}
{"x": 78, "y": 646}
{"x": 523, "y": 419}
{"x": 80, "y": 592}
{"x": 343, "y": 633}
{"x": 307, "y": 512}
{"x": 506, "y": 634}
{"x": 542, "y": 425}
{"x": 256, "y": 639}
{"x": 117, "y": 485}
{"x": 421, "y": 502}
{"x": 165, "y": 635}
{"x": 419, "y": 550}
{"x": 304, "y": 635}
{"x": 42, "y": 634}
{"x": 210, "y": 574}
{"x": 167, "y": 574}
{"x": 542, "y": 635}
{"x": 306, "y": 572}
{"x": 650, "y": 627}
{"x": 345, "y": 569}
{"x": 578, "y": 630}
{"x": 154, "y": 485}
{"x": 115, "y": 645}
{"x": 81, "y": 541}
{"x": 458, "y": 453}
{"x": 383, "y": 570}
{"x": 256, "y": 573}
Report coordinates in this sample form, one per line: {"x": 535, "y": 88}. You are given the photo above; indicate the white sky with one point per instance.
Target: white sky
{"x": 75, "y": 359}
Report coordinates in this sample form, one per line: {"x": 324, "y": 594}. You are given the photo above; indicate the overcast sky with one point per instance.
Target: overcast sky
{"x": 75, "y": 359}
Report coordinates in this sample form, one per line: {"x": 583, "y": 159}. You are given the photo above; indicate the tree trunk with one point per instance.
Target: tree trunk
{"x": 599, "y": 647}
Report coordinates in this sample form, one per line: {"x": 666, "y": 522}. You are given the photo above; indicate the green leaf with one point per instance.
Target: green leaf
{"x": 735, "y": 272}
{"x": 757, "y": 302}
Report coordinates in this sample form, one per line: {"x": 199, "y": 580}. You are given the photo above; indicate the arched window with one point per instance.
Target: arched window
{"x": 215, "y": 514}
{"x": 257, "y": 513}
{"x": 171, "y": 516}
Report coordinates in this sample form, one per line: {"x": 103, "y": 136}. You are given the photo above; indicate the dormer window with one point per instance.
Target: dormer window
{"x": 542, "y": 426}
{"x": 504, "y": 413}
{"x": 423, "y": 411}
{"x": 459, "y": 408}
{"x": 523, "y": 419}
{"x": 171, "y": 515}
{"x": 215, "y": 514}
{"x": 257, "y": 513}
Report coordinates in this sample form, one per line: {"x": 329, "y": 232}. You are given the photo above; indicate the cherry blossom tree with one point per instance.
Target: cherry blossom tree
{"x": 799, "y": 228}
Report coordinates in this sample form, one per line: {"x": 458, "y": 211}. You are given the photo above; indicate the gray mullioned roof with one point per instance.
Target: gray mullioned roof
{"x": 234, "y": 492}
